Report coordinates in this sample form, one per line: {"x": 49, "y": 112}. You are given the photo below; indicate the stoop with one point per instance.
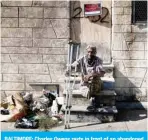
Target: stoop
{"x": 105, "y": 113}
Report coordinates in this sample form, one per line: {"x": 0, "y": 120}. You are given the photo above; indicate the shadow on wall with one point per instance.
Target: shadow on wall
{"x": 131, "y": 115}
{"x": 127, "y": 88}
{"x": 130, "y": 95}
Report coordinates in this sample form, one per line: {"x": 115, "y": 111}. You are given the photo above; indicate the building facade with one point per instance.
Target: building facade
{"x": 35, "y": 37}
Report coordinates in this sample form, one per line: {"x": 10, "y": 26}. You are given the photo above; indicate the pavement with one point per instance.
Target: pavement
{"x": 127, "y": 120}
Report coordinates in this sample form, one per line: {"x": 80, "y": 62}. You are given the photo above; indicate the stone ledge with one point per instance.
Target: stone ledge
{"x": 102, "y": 93}
{"x": 45, "y": 85}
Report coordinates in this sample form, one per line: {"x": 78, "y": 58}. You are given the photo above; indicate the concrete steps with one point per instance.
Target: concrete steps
{"x": 81, "y": 114}
{"x": 78, "y": 79}
{"x": 101, "y": 110}
{"x": 106, "y": 97}
{"x": 102, "y": 93}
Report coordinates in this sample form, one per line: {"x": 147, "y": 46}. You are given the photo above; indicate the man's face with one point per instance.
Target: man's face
{"x": 90, "y": 53}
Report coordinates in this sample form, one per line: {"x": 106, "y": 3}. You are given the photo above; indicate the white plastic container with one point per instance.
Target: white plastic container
{"x": 60, "y": 100}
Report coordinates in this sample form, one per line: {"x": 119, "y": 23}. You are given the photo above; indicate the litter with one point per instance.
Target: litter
{"x": 25, "y": 123}
{"x": 28, "y": 112}
{"x": 4, "y": 111}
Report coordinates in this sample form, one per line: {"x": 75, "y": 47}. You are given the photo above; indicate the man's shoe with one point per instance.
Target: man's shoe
{"x": 91, "y": 108}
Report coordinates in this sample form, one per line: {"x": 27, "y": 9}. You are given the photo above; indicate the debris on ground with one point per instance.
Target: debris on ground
{"x": 31, "y": 113}
{"x": 26, "y": 123}
{"x": 4, "y": 111}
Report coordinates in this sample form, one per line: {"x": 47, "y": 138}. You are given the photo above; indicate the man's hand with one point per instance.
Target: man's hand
{"x": 86, "y": 78}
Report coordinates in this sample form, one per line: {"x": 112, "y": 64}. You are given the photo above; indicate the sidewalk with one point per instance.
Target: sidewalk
{"x": 127, "y": 120}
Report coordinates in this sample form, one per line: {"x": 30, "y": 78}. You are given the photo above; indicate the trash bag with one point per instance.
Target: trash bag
{"x": 40, "y": 104}
{"x": 28, "y": 97}
{"x": 4, "y": 111}
{"x": 26, "y": 123}
{"x": 43, "y": 102}
{"x": 54, "y": 108}
{"x": 16, "y": 106}
{"x": 7, "y": 101}
{"x": 19, "y": 102}
{"x": 51, "y": 96}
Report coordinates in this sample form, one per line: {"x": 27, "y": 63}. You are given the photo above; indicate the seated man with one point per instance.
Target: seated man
{"x": 92, "y": 70}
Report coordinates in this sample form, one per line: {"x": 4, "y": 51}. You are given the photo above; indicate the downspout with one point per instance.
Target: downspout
{"x": 69, "y": 19}
{"x": 112, "y": 30}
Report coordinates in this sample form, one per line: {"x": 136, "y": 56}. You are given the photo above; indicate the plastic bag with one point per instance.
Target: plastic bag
{"x": 43, "y": 102}
{"x": 84, "y": 91}
{"x": 17, "y": 108}
{"x": 26, "y": 123}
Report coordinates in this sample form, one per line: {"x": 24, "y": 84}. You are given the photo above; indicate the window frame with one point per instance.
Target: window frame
{"x": 133, "y": 15}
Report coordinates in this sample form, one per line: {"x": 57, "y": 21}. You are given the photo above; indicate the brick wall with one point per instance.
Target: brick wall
{"x": 34, "y": 39}
{"x": 129, "y": 53}
{"x": 34, "y": 43}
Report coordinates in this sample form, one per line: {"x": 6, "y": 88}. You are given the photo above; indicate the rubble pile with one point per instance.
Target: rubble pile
{"x": 28, "y": 112}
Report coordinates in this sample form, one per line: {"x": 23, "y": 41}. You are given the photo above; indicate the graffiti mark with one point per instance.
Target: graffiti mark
{"x": 106, "y": 14}
{"x": 77, "y": 12}
{"x": 95, "y": 18}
